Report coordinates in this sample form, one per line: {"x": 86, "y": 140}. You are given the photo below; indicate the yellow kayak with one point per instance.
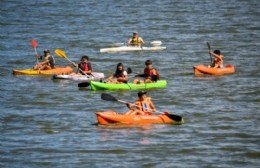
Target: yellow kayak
{"x": 55, "y": 71}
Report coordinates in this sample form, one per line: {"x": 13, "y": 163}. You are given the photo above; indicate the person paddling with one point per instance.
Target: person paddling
{"x": 218, "y": 59}
{"x": 47, "y": 63}
{"x": 150, "y": 74}
{"x": 120, "y": 75}
{"x": 135, "y": 40}
{"x": 143, "y": 105}
{"x": 84, "y": 67}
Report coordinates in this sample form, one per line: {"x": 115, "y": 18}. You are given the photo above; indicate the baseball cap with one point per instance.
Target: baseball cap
{"x": 141, "y": 93}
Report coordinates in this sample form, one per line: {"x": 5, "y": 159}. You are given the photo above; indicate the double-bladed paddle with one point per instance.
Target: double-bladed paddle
{"x": 109, "y": 97}
{"x": 86, "y": 84}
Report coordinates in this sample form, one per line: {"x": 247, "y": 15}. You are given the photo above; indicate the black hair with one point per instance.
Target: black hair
{"x": 84, "y": 56}
{"x": 141, "y": 93}
{"x": 46, "y": 51}
{"x": 119, "y": 71}
{"x": 148, "y": 62}
{"x": 217, "y": 52}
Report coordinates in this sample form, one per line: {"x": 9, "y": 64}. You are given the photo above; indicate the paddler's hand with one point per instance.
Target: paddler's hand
{"x": 38, "y": 56}
{"x": 128, "y": 105}
{"x": 74, "y": 64}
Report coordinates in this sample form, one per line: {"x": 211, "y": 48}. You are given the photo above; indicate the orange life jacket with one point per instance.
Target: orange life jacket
{"x": 144, "y": 105}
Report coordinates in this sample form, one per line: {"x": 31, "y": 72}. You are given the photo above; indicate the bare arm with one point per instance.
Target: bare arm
{"x": 129, "y": 41}
{"x": 110, "y": 77}
{"x": 216, "y": 55}
{"x": 152, "y": 105}
{"x": 142, "y": 41}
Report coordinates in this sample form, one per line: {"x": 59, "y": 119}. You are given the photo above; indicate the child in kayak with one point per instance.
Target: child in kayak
{"x": 135, "y": 40}
{"x": 48, "y": 61}
{"x": 150, "y": 74}
{"x": 218, "y": 59}
{"x": 84, "y": 67}
{"x": 143, "y": 105}
{"x": 120, "y": 75}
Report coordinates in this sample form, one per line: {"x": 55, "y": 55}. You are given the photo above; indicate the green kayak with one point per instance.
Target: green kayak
{"x": 127, "y": 86}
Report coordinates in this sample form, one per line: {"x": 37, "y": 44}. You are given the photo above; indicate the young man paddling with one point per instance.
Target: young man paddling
{"x": 84, "y": 67}
{"x": 135, "y": 40}
{"x": 47, "y": 63}
{"x": 143, "y": 105}
{"x": 150, "y": 74}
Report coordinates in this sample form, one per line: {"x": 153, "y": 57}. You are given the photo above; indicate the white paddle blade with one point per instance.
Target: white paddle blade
{"x": 156, "y": 43}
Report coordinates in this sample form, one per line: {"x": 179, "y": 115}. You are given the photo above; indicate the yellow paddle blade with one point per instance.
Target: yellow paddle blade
{"x": 60, "y": 53}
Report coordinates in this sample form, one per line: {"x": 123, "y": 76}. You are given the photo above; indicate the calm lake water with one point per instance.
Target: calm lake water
{"x": 51, "y": 123}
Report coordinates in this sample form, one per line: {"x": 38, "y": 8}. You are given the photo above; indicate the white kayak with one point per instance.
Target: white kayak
{"x": 131, "y": 48}
{"x": 79, "y": 77}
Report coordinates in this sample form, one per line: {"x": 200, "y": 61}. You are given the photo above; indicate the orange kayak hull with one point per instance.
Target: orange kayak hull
{"x": 111, "y": 117}
{"x": 55, "y": 71}
{"x": 205, "y": 70}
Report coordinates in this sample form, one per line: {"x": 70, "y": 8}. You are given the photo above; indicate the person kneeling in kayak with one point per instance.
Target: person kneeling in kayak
{"x": 135, "y": 40}
{"x": 120, "y": 76}
{"x": 143, "y": 105}
{"x": 218, "y": 59}
{"x": 48, "y": 61}
{"x": 150, "y": 74}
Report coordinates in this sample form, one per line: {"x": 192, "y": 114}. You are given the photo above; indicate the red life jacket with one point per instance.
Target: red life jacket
{"x": 85, "y": 66}
{"x": 118, "y": 75}
{"x": 150, "y": 73}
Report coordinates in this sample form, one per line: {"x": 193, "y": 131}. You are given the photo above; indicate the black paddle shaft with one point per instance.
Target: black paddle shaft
{"x": 210, "y": 54}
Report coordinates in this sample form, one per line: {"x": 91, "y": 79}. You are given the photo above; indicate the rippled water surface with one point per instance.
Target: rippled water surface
{"x": 51, "y": 123}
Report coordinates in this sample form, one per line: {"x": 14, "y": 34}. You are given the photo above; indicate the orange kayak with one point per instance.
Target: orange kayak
{"x": 205, "y": 70}
{"x": 111, "y": 117}
{"x": 55, "y": 71}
